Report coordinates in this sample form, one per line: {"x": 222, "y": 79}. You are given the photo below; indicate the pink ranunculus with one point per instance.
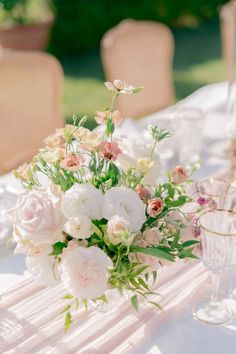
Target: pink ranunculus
{"x": 155, "y": 207}
{"x": 143, "y": 193}
{"x": 202, "y": 201}
{"x": 37, "y": 217}
{"x": 73, "y": 162}
{"x": 179, "y": 175}
{"x": 109, "y": 150}
{"x": 85, "y": 272}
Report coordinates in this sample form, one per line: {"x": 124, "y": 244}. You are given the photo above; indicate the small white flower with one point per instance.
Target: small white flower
{"x": 42, "y": 267}
{"x": 85, "y": 272}
{"x": 120, "y": 86}
{"x": 126, "y": 203}
{"x": 79, "y": 227}
{"x": 83, "y": 199}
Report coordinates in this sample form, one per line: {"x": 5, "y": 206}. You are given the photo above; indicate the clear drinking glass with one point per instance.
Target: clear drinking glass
{"x": 218, "y": 233}
{"x": 222, "y": 192}
{"x": 190, "y": 123}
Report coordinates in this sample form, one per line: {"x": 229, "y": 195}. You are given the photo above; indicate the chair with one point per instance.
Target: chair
{"x": 30, "y": 110}
{"x": 140, "y": 53}
{"x": 228, "y": 36}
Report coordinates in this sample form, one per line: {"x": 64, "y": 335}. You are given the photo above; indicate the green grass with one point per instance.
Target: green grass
{"x": 197, "y": 62}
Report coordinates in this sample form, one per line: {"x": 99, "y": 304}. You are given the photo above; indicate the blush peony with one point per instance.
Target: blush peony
{"x": 85, "y": 272}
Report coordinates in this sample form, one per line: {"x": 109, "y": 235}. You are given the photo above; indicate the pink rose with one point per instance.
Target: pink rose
{"x": 73, "y": 162}
{"x": 212, "y": 204}
{"x": 85, "y": 272}
{"x": 109, "y": 151}
{"x": 179, "y": 175}
{"x": 143, "y": 193}
{"x": 155, "y": 207}
{"x": 37, "y": 217}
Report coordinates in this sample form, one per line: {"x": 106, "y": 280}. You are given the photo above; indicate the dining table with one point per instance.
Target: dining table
{"x": 31, "y": 321}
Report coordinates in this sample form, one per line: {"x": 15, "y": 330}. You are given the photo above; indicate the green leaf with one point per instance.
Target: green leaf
{"x": 154, "y": 274}
{"x": 134, "y": 302}
{"x": 76, "y": 304}
{"x": 189, "y": 243}
{"x": 110, "y": 126}
{"x": 113, "y": 173}
{"x": 85, "y": 303}
{"x": 187, "y": 253}
{"x": 67, "y": 322}
{"x": 153, "y": 251}
{"x": 156, "y": 305}
{"x": 66, "y": 308}
{"x": 142, "y": 282}
{"x": 68, "y": 297}
{"x": 137, "y": 89}
{"x": 176, "y": 203}
{"x": 57, "y": 248}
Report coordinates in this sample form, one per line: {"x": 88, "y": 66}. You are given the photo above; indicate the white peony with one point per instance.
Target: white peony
{"x": 79, "y": 227}
{"x": 83, "y": 199}
{"x": 126, "y": 203}
{"x": 85, "y": 272}
{"x": 42, "y": 267}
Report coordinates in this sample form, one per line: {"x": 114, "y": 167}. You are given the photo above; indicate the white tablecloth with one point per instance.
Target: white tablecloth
{"x": 179, "y": 334}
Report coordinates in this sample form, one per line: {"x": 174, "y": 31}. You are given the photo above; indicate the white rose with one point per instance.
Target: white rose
{"x": 37, "y": 216}
{"x": 79, "y": 227}
{"x": 118, "y": 229}
{"x": 125, "y": 203}
{"x": 41, "y": 266}
{"x": 85, "y": 272}
{"x": 83, "y": 199}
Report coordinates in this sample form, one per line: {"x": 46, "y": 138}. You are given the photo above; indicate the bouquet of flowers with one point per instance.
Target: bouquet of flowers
{"x": 96, "y": 225}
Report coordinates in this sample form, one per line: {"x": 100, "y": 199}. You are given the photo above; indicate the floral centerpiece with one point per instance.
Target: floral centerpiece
{"x": 97, "y": 226}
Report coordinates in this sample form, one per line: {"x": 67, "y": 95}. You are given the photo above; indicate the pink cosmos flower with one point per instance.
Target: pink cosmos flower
{"x": 73, "y": 162}
{"x": 155, "y": 207}
{"x": 179, "y": 175}
{"x": 109, "y": 151}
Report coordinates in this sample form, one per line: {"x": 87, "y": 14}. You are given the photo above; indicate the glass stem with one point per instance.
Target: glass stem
{"x": 215, "y": 282}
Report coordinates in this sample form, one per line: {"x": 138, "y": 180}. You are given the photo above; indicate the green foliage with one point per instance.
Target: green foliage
{"x": 80, "y": 24}
{"x": 24, "y": 11}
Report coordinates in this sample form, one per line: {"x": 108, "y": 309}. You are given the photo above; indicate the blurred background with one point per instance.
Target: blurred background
{"x": 72, "y": 31}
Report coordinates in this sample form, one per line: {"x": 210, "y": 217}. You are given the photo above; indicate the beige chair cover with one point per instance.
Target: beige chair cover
{"x": 30, "y": 110}
{"x": 228, "y": 36}
{"x": 140, "y": 53}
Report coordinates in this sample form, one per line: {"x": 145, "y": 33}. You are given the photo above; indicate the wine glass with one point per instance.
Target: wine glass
{"x": 218, "y": 234}
{"x": 219, "y": 191}
{"x": 189, "y": 120}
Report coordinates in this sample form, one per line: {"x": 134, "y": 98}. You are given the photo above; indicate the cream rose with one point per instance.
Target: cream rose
{"x": 85, "y": 272}
{"x": 79, "y": 227}
{"x": 83, "y": 199}
{"x": 37, "y": 216}
{"x": 125, "y": 203}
